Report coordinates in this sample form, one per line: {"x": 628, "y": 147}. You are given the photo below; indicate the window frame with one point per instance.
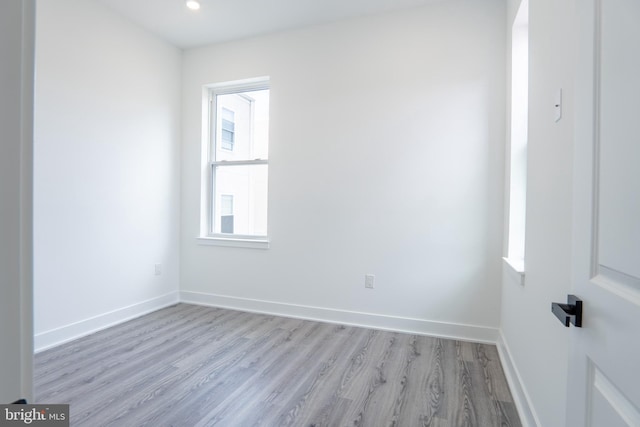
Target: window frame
{"x": 208, "y": 236}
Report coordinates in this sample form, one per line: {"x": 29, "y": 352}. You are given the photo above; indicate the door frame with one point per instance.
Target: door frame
{"x": 18, "y": 279}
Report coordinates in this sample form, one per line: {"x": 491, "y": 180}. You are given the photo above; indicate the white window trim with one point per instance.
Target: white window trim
{"x": 515, "y": 269}
{"x": 206, "y": 236}
{"x": 249, "y": 242}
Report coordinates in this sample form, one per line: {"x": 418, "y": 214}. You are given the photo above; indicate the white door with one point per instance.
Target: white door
{"x": 604, "y": 364}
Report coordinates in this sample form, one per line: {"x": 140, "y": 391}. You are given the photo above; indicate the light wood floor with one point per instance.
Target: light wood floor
{"x": 190, "y": 366}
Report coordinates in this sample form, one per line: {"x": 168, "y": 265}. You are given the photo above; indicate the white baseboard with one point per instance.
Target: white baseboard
{"x": 528, "y": 417}
{"x": 367, "y": 320}
{"x": 55, "y": 337}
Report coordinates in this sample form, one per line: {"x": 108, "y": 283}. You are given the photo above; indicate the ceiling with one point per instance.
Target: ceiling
{"x": 224, "y": 20}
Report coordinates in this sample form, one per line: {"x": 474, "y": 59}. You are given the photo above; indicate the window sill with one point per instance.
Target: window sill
{"x": 234, "y": 242}
{"x": 515, "y": 268}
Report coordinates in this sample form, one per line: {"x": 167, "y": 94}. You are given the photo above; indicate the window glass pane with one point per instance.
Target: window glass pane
{"x": 519, "y": 134}
{"x": 243, "y": 197}
{"x": 242, "y": 126}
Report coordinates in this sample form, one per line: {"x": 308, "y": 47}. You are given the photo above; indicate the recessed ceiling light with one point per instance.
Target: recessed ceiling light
{"x": 193, "y": 4}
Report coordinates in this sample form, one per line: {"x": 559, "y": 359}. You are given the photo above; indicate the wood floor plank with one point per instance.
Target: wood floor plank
{"x": 374, "y": 363}
{"x": 433, "y": 392}
{"x": 188, "y": 366}
{"x": 393, "y": 382}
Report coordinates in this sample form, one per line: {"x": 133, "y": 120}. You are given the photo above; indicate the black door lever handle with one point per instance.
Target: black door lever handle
{"x": 569, "y": 313}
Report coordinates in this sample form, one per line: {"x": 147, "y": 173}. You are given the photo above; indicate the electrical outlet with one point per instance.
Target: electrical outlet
{"x": 369, "y": 280}
{"x": 158, "y": 269}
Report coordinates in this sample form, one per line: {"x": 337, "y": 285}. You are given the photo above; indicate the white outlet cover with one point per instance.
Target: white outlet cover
{"x": 369, "y": 280}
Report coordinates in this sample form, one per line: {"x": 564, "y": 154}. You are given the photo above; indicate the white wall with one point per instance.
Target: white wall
{"x": 17, "y": 29}
{"x": 106, "y": 170}
{"x": 386, "y": 157}
{"x": 535, "y": 340}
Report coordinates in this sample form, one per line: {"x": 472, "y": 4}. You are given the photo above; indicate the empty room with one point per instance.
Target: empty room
{"x": 320, "y": 213}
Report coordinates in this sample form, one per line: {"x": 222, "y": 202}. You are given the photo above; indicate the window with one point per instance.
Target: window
{"x": 518, "y": 142}
{"x": 237, "y": 165}
{"x": 228, "y": 129}
{"x": 226, "y": 213}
